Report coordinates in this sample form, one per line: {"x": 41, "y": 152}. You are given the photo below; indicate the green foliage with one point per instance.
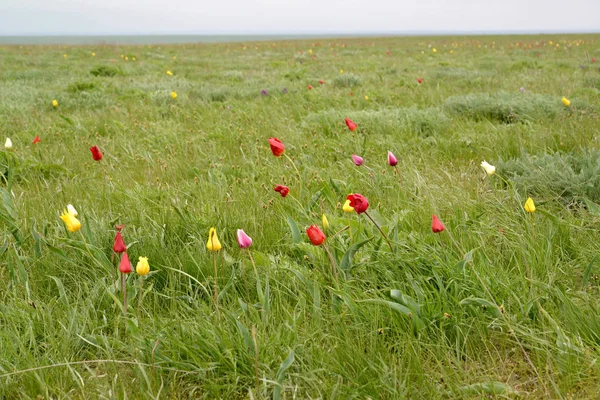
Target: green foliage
{"x": 346, "y": 81}
{"x": 106, "y": 71}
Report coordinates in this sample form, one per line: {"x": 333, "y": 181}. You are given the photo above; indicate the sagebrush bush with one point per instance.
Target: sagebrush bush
{"x": 503, "y": 107}
{"x": 568, "y": 176}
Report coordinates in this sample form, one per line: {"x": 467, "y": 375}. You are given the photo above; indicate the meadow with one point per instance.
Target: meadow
{"x": 502, "y": 303}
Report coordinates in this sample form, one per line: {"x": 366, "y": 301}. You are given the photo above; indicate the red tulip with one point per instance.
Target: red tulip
{"x": 96, "y": 153}
{"x": 351, "y": 125}
{"x": 276, "y": 147}
{"x": 283, "y": 190}
{"x": 436, "y": 225}
{"x": 392, "y": 160}
{"x": 321, "y": 81}
{"x": 119, "y": 244}
{"x": 125, "y": 265}
{"x": 420, "y": 80}
{"x": 388, "y": 53}
{"x": 36, "y": 140}
{"x": 593, "y": 59}
{"x": 316, "y": 236}
{"x": 309, "y": 87}
{"x": 358, "y": 202}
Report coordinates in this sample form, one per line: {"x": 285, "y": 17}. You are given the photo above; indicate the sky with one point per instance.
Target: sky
{"x": 133, "y": 17}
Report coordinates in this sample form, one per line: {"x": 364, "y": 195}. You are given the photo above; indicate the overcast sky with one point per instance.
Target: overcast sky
{"x": 118, "y": 17}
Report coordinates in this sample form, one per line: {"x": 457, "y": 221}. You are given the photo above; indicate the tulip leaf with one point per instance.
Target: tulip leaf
{"x": 62, "y": 294}
{"x": 313, "y": 201}
{"x": 592, "y": 207}
{"x": 405, "y": 300}
{"x": 346, "y": 264}
{"x": 588, "y": 270}
{"x": 287, "y": 363}
{"x": 418, "y": 323}
{"x": 468, "y": 257}
{"x": 484, "y": 304}
{"x": 296, "y": 236}
{"x": 487, "y": 388}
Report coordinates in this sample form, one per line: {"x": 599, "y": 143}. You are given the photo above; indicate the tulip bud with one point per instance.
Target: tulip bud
{"x": 392, "y": 160}
{"x": 529, "y": 205}
{"x": 72, "y": 223}
{"x": 350, "y": 124}
{"x": 358, "y": 202}
{"x": 8, "y": 144}
{"x": 316, "y": 236}
{"x": 96, "y": 153}
{"x": 358, "y": 160}
{"x": 142, "y": 268}
{"x": 119, "y": 244}
{"x": 489, "y": 169}
{"x": 213, "y": 243}
{"x": 244, "y": 241}
{"x": 276, "y": 147}
{"x": 347, "y": 207}
{"x": 325, "y": 222}
{"x": 566, "y": 101}
{"x": 71, "y": 210}
{"x": 36, "y": 140}
{"x": 55, "y": 103}
{"x": 436, "y": 225}
{"x": 125, "y": 265}
{"x": 174, "y": 95}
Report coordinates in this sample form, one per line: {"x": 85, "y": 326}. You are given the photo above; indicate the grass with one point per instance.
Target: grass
{"x": 501, "y": 304}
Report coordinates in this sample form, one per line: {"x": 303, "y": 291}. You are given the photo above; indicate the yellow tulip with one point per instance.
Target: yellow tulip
{"x": 133, "y": 58}
{"x": 529, "y": 205}
{"x": 142, "y": 268}
{"x": 347, "y": 207}
{"x": 169, "y": 73}
{"x": 341, "y": 71}
{"x": 55, "y": 103}
{"x": 72, "y": 223}
{"x": 566, "y": 101}
{"x": 213, "y": 243}
{"x": 93, "y": 54}
{"x": 325, "y": 222}
{"x": 366, "y": 97}
{"x": 174, "y": 95}
{"x": 434, "y": 50}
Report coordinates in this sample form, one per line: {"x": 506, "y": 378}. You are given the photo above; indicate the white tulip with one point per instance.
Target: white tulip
{"x": 489, "y": 168}
{"x": 71, "y": 210}
{"x": 8, "y": 144}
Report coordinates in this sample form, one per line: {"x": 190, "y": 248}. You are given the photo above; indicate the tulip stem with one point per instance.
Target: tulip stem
{"x": 293, "y": 165}
{"x": 333, "y": 265}
{"x": 382, "y": 233}
{"x": 141, "y": 293}
{"x": 399, "y": 176}
{"x": 216, "y": 290}
{"x": 252, "y": 260}
{"x": 124, "y": 288}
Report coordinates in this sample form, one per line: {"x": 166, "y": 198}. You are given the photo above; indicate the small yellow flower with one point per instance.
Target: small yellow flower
{"x": 55, "y": 103}
{"x": 72, "y": 223}
{"x": 133, "y": 58}
{"x": 341, "y": 71}
{"x": 174, "y": 57}
{"x": 310, "y": 51}
{"x": 213, "y": 243}
{"x": 174, "y": 95}
{"x": 325, "y": 222}
{"x": 434, "y": 50}
{"x": 93, "y": 54}
{"x": 142, "y": 268}
{"x": 65, "y": 55}
{"x": 566, "y": 101}
{"x": 347, "y": 207}
{"x": 169, "y": 73}
{"x": 529, "y": 205}
{"x": 126, "y": 58}
{"x": 366, "y": 97}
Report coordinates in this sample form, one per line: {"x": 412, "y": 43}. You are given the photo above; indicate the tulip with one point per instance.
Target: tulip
{"x": 367, "y": 98}
{"x": 244, "y": 241}
{"x": 8, "y": 144}
{"x": 283, "y": 190}
{"x": 142, "y": 268}
{"x": 489, "y": 168}
{"x": 358, "y": 160}
{"x": 125, "y": 265}
{"x": 71, "y": 210}
{"x": 213, "y": 243}
{"x": 174, "y": 95}
{"x": 347, "y": 207}
{"x": 55, "y": 103}
{"x": 341, "y": 71}
{"x": 529, "y": 205}
{"x": 316, "y": 236}
{"x": 566, "y": 101}
{"x": 358, "y": 202}
{"x": 169, "y": 73}
{"x": 392, "y": 160}
{"x": 350, "y": 124}
{"x": 72, "y": 223}
{"x": 119, "y": 244}
{"x": 264, "y": 92}
{"x": 96, "y": 153}
{"x": 321, "y": 81}
{"x": 419, "y": 80}
{"x": 436, "y": 225}
{"x": 325, "y": 222}
{"x": 36, "y": 140}
{"x": 276, "y": 147}
{"x": 309, "y": 87}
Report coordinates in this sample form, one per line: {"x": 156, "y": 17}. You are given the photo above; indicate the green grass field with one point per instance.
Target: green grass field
{"x": 503, "y": 303}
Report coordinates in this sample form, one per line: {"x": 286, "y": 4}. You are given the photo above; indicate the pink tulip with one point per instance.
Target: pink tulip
{"x": 392, "y": 160}
{"x": 244, "y": 240}
{"x": 358, "y": 160}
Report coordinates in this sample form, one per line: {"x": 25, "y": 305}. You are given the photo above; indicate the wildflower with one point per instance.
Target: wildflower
{"x": 283, "y": 190}
{"x": 392, "y": 160}
{"x": 96, "y": 153}
{"x": 566, "y": 101}
{"x": 367, "y": 98}
{"x": 358, "y": 160}
{"x": 284, "y": 90}
{"x": 55, "y": 103}
{"x": 71, "y": 210}
{"x": 125, "y": 265}
{"x": 436, "y": 225}
{"x": 276, "y": 147}
{"x": 37, "y": 139}
{"x": 142, "y": 268}
{"x": 529, "y": 205}
{"x": 434, "y": 50}
{"x": 489, "y": 168}
{"x": 316, "y": 236}
{"x": 347, "y": 207}
{"x": 358, "y": 202}
{"x": 321, "y": 81}
{"x": 522, "y": 89}
{"x": 350, "y": 124}
{"x": 264, "y": 92}
{"x": 8, "y": 144}
{"x": 419, "y": 80}
{"x": 341, "y": 71}
{"x": 174, "y": 95}
{"x": 72, "y": 223}
{"x": 310, "y": 87}
{"x": 93, "y": 54}
{"x": 213, "y": 243}
{"x": 244, "y": 241}
{"x": 325, "y": 222}
{"x": 169, "y": 73}
{"x": 119, "y": 244}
